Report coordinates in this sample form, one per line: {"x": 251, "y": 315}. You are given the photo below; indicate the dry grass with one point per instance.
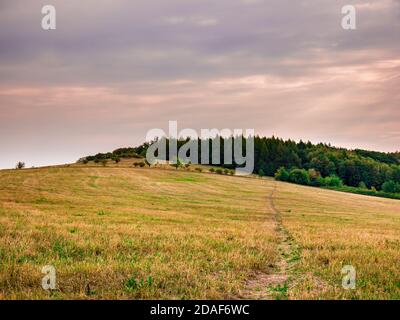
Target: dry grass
{"x": 335, "y": 229}
{"x": 119, "y": 233}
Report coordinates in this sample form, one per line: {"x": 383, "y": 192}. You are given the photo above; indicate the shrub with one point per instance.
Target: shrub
{"x": 362, "y": 185}
{"x": 282, "y": 174}
{"x": 85, "y": 161}
{"x": 231, "y": 172}
{"x": 299, "y": 176}
{"x": 199, "y": 169}
{"x": 315, "y": 178}
{"x": 117, "y": 159}
{"x": 219, "y": 171}
{"x": 212, "y": 170}
{"x": 261, "y": 173}
{"x": 226, "y": 171}
{"x": 391, "y": 187}
{"x": 20, "y": 165}
{"x": 333, "y": 181}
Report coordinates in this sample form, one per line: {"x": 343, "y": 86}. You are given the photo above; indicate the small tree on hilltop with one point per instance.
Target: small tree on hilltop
{"x": 117, "y": 159}
{"x": 177, "y": 164}
{"x": 20, "y": 165}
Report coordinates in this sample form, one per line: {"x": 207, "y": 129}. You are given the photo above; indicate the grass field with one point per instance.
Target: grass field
{"x": 118, "y": 232}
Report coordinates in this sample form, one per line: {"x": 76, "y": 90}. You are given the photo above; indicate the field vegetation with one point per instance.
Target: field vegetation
{"x": 117, "y": 231}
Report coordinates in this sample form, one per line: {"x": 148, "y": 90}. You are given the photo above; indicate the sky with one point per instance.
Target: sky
{"x": 112, "y": 70}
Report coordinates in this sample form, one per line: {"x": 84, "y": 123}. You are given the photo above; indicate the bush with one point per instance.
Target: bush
{"x": 333, "y": 181}
{"x": 315, "y": 178}
{"x": 20, "y": 165}
{"x": 226, "y": 171}
{"x": 212, "y": 170}
{"x": 199, "y": 169}
{"x": 282, "y": 174}
{"x": 85, "y": 161}
{"x": 219, "y": 171}
{"x": 299, "y": 176}
{"x": 104, "y": 162}
{"x": 362, "y": 185}
{"x": 261, "y": 173}
{"x": 391, "y": 187}
{"x": 117, "y": 159}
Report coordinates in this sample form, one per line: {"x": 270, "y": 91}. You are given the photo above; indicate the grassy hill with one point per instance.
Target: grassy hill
{"x": 146, "y": 233}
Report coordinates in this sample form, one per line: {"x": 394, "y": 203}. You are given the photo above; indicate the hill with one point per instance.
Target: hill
{"x": 319, "y": 165}
{"x": 145, "y": 233}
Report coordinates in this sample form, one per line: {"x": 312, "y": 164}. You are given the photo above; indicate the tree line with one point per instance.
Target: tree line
{"x": 313, "y": 164}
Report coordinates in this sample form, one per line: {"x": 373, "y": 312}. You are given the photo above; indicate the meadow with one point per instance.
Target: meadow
{"x": 119, "y": 232}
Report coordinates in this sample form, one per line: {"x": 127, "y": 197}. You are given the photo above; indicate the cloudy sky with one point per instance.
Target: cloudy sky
{"x": 112, "y": 70}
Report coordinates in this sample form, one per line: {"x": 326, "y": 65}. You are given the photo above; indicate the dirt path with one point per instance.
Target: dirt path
{"x": 263, "y": 286}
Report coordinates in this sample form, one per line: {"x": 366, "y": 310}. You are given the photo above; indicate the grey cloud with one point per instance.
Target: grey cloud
{"x": 114, "y": 69}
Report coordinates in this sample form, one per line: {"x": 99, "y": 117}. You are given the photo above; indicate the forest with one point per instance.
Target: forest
{"x": 306, "y": 163}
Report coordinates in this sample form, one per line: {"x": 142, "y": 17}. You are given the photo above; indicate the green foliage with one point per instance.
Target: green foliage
{"x": 299, "y": 176}
{"x": 282, "y": 174}
{"x": 261, "y": 173}
{"x": 323, "y": 163}
{"x": 332, "y": 181}
{"x": 132, "y": 284}
{"x": 218, "y": 171}
{"x": 362, "y": 185}
{"x": 391, "y": 187}
{"x": 212, "y": 170}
